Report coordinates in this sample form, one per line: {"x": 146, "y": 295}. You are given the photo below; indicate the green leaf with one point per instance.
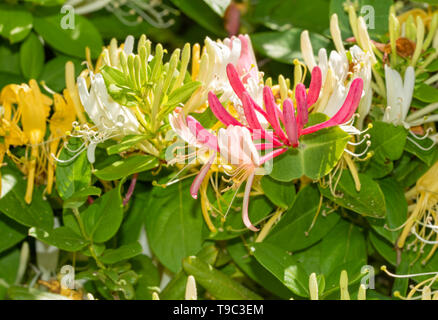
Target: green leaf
{"x": 32, "y": 57}
{"x": 22, "y": 293}
{"x": 369, "y": 201}
{"x": 283, "y": 267}
{"x": 75, "y": 175}
{"x": 202, "y": 14}
{"x": 126, "y": 167}
{"x": 173, "y": 223}
{"x": 255, "y": 271}
{"x": 429, "y": 155}
{"x": 218, "y": 284}
{"x": 53, "y": 73}
{"x": 182, "y": 94}
{"x": 426, "y": 93}
{"x": 37, "y": 214}
{"x": 377, "y": 169}
{"x": 387, "y": 141}
{"x": 7, "y": 78}
{"x": 294, "y": 231}
{"x": 149, "y": 277}
{"x": 9, "y": 61}
{"x": 396, "y": 210}
{"x": 218, "y": 6}
{"x": 79, "y": 197}
{"x": 316, "y": 155}
{"x": 285, "y": 46}
{"x": 63, "y": 238}
{"x": 232, "y": 226}
{"x": 175, "y": 289}
{"x": 282, "y": 194}
{"x": 409, "y": 170}
{"x": 9, "y": 265}
{"x": 127, "y": 142}
{"x": 102, "y": 219}
{"x": 133, "y": 222}
{"x": 282, "y": 15}
{"x": 343, "y": 248}
{"x": 71, "y": 42}
{"x": 206, "y": 118}
{"x": 47, "y": 2}
{"x": 15, "y": 22}
{"x": 11, "y": 233}
{"x": 123, "y": 252}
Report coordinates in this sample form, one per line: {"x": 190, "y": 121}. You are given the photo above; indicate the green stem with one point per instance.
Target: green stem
{"x": 90, "y": 247}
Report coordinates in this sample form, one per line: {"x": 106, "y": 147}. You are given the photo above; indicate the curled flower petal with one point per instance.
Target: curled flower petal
{"x": 239, "y": 88}
{"x": 200, "y": 177}
{"x": 250, "y": 114}
{"x": 247, "y": 62}
{"x": 273, "y": 113}
{"x": 202, "y": 135}
{"x": 345, "y": 112}
{"x": 272, "y": 155}
{"x": 245, "y": 215}
{"x": 219, "y": 111}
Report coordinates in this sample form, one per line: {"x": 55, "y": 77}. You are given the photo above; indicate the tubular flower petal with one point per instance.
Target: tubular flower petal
{"x": 247, "y": 63}
{"x": 345, "y": 112}
{"x": 219, "y": 111}
{"x": 111, "y": 119}
{"x": 302, "y": 107}
{"x": 272, "y": 112}
{"x": 35, "y": 108}
{"x": 315, "y": 86}
{"x": 290, "y": 122}
{"x": 239, "y": 88}
{"x": 200, "y": 177}
{"x": 60, "y": 122}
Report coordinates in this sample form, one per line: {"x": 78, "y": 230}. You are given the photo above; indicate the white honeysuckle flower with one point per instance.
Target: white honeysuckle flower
{"x": 239, "y": 52}
{"x": 338, "y": 70}
{"x": 111, "y": 120}
{"x": 220, "y": 55}
{"x": 399, "y": 94}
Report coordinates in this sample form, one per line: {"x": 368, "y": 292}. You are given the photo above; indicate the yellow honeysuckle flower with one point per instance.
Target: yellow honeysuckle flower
{"x": 60, "y": 122}
{"x": 35, "y": 108}
{"x": 422, "y": 222}
{"x": 10, "y": 132}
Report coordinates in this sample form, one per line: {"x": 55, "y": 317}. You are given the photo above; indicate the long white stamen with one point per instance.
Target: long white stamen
{"x": 71, "y": 159}
{"x": 421, "y": 147}
{"x": 358, "y": 155}
{"x": 428, "y": 131}
{"x": 414, "y": 232}
{"x": 383, "y": 268}
{"x": 366, "y": 137}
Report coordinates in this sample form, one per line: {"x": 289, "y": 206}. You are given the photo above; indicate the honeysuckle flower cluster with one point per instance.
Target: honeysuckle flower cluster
{"x": 208, "y": 113}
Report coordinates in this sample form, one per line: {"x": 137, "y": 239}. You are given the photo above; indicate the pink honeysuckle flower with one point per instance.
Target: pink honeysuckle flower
{"x": 345, "y": 112}
{"x": 226, "y": 118}
{"x": 238, "y": 149}
{"x": 247, "y": 64}
{"x": 192, "y": 132}
{"x": 295, "y": 120}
